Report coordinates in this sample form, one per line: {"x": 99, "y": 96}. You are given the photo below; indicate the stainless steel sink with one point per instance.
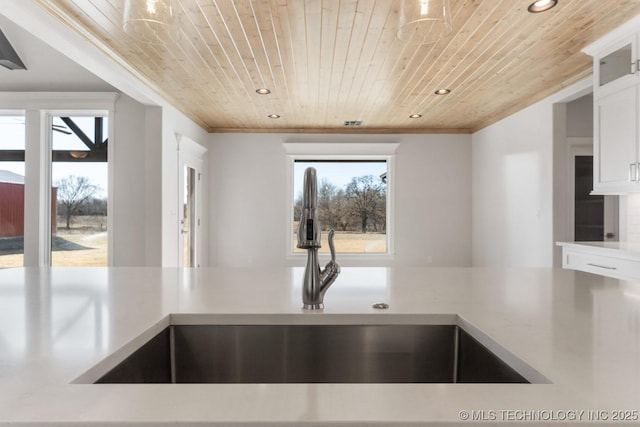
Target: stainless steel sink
{"x": 312, "y": 354}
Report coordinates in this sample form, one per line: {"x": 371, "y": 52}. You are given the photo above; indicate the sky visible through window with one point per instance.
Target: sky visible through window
{"x": 95, "y": 171}
{"x": 337, "y": 173}
{"x": 12, "y": 130}
{"x": 12, "y": 138}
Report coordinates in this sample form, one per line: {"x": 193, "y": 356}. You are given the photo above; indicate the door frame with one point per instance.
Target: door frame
{"x": 190, "y": 154}
{"x": 583, "y": 146}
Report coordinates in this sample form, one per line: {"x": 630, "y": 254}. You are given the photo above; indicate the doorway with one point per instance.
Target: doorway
{"x": 190, "y": 161}
{"x": 189, "y": 220}
{"x": 592, "y": 218}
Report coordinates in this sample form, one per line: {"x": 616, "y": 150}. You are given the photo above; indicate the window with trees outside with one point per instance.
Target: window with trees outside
{"x": 352, "y": 200}
{"x": 79, "y": 179}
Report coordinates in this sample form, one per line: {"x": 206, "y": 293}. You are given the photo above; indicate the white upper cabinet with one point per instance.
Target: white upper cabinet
{"x": 616, "y": 142}
{"x": 616, "y": 67}
{"x": 616, "y": 97}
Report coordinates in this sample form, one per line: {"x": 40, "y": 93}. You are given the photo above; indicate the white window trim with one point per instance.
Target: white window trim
{"x": 47, "y": 146}
{"x": 344, "y": 151}
{"x": 38, "y": 108}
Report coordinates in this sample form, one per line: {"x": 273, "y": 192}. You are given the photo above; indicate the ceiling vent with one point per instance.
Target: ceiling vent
{"x": 352, "y": 123}
{"x": 8, "y": 57}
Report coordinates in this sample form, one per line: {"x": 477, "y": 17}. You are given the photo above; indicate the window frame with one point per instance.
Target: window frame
{"x": 38, "y": 107}
{"x": 343, "y": 152}
{"x": 50, "y": 115}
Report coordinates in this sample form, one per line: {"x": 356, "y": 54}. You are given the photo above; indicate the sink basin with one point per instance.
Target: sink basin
{"x": 312, "y": 354}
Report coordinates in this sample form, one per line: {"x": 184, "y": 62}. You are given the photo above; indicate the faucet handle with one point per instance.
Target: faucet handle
{"x": 331, "y": 271}
{"x": 332, "y": 248}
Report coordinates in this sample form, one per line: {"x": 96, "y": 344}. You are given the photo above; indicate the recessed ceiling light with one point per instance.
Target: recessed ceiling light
{"x": 541, "y": 5}
{"x": 442, "y": 91}
{"x": 273, "y": 116}
{"x": 415, "y": 116}
{"x": 263, "y": 91}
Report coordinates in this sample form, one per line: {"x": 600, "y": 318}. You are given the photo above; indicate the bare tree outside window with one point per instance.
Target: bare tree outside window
{"x": 79, "y": 170}
{"x": 73, "y": 194}
{"x": 353, "y": 205}
{"x": 367, "y": 199}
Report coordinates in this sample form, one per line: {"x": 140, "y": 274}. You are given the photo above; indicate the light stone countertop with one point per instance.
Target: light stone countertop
{"x": 61, "y": 326}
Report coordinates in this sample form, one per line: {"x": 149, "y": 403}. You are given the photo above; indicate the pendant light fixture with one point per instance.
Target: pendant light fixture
{"x": 424, "y": 21}
{"x": 148, "y": 20}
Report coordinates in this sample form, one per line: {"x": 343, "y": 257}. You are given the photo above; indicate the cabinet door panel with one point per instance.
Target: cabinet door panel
{"x": 616, "y": 68}
{"x": 617, "y": 139}
{"x": 616, "y": 65}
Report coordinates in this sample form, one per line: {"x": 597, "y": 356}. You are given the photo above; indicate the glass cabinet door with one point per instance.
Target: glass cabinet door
{"x": 615, "y": 65}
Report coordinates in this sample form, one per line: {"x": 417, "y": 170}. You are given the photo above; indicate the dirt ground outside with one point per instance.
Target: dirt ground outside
{"x": 347, "y": 242}
{"x": 84, "y": 244}
{"x": 95, "y": 254}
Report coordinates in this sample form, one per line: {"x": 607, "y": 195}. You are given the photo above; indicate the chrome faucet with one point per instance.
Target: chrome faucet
{"x": 316, "y": 281}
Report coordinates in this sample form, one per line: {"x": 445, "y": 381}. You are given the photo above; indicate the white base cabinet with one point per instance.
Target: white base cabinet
{"x": 612, "y": 259}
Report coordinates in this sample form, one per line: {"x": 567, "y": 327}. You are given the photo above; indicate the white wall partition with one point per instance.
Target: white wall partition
{"x": 249, "y": 198}
{"x": 146, "y": 176}
{"x": 129, "y": 213}
{"x": 513, "y": 186}
{"x": 166, "y": 174}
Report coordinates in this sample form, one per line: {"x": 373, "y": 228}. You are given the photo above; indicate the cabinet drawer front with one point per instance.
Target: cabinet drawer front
{"x": 602, "y": 265}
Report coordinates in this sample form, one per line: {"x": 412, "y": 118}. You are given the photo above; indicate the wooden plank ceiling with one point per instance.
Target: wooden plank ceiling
{"x": 331, "y": 61}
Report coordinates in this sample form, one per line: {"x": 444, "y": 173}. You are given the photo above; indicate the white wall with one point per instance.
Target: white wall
{"x": 173, "y": 123}
{"x": 580, "y": 117}
{"x": 513, "y": 185}
{"x": 152, "y": 179}
{"x": 145, "y": 177}
{"x": 248, "y": 198}
{"x": 129, "y": 192}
